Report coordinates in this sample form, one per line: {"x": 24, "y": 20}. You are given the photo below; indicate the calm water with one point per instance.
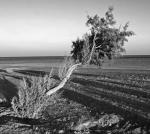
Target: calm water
{"x": 130, "y": 62}
{"x": 127, "y": 62}
{"x": 30, "y": 62}
{"x": 42, "y": 59}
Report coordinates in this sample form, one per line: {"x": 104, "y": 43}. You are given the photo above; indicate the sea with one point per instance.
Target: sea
{"x": 139, "y": 62}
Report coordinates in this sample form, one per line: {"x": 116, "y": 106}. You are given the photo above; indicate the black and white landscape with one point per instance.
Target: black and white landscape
{"x": 74, "y": 67}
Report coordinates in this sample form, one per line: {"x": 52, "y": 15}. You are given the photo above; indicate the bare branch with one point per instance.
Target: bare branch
{"x": 93, "y": 48}
{"x": 63, "y": 82}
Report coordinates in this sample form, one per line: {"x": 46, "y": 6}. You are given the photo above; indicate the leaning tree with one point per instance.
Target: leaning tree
{"x": 104, "y": 40}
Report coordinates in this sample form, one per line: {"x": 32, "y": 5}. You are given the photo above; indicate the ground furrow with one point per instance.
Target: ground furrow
{"x": 119, "y": 96}
{"x": 124, "y": 105}
{"x": 137, "y": 92}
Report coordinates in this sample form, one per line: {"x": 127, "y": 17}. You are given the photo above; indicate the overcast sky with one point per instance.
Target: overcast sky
{"x": 47, "y": 27}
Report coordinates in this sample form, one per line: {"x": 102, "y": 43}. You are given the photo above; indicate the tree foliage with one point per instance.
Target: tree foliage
{"x": 105, "y": 40}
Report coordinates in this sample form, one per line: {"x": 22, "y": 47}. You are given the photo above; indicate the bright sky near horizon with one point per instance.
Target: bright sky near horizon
{"x": 47, "y": 27}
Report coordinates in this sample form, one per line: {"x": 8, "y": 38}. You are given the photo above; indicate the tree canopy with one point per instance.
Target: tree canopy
{"x": 104, "y": 40}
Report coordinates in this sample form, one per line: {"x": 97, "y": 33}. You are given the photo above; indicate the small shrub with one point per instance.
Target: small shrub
{"x": 32, "y": 98}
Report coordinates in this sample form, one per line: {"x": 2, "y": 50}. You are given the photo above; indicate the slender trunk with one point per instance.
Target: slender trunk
{"x": 92, "y": 51}
{"x": 70, "y": 71}
{"x": 63, "y": 82}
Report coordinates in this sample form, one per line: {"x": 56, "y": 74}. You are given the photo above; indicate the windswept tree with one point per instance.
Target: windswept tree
{"x": 105, "y": 40}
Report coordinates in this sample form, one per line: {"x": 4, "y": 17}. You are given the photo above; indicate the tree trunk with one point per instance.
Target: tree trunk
{"x": 93, "y": 48}
{"x": 63, "y": 82}
{"x": 70, "y": 71}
